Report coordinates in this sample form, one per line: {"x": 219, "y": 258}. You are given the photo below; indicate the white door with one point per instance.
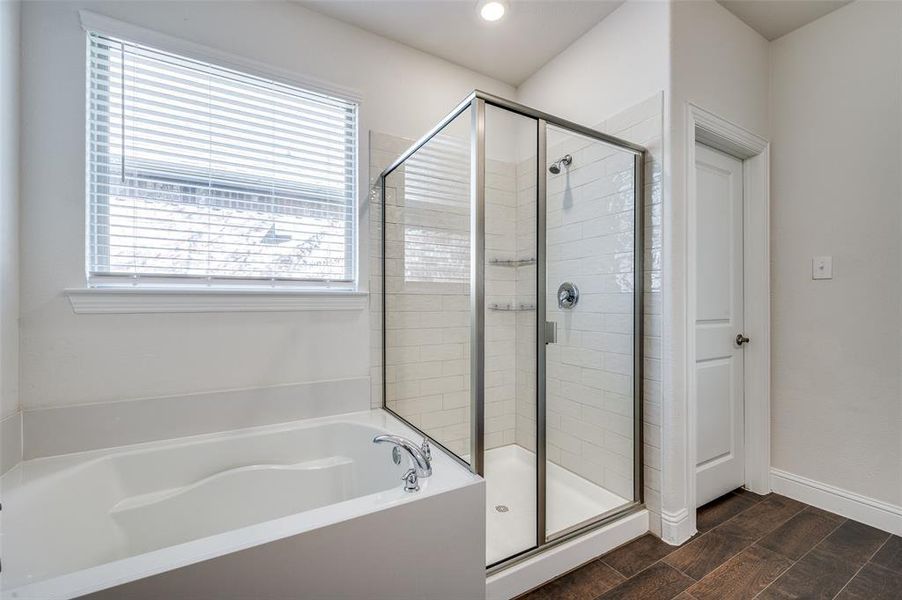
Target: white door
{"x": 719, "y": 319}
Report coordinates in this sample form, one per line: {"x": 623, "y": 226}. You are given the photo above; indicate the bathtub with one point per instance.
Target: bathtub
{"x": 309, "y": 509}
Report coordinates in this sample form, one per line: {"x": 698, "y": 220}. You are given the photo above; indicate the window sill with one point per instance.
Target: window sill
{"x": 113, "y": 300}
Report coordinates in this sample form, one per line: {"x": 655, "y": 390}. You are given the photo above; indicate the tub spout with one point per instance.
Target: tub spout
{"x": 420, "y": 459}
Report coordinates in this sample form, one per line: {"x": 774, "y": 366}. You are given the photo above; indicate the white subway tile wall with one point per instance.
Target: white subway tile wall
{"x": 589, "y": 243}
{"x": 501, "y": 303}
{"x": 643, "y": 124}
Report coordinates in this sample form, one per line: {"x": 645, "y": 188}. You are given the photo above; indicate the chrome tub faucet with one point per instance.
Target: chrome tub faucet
{"x": 420, "y": 458}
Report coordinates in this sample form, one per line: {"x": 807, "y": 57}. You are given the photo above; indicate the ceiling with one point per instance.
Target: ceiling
{"x": 533, "y": 31}
{"x": 774, "y": 19}
{"x": 510, "y": 50}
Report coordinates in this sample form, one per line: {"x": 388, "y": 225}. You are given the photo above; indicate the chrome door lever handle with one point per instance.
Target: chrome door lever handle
{"x": 741, "y": 339}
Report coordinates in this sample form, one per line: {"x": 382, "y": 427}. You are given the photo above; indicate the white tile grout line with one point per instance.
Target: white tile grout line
{"x": 732, "y": 556}
{"x": 840, "y": 524}
{"x": 678, "y": 570}
{"x": 662, "y": 559}
{"x": 863, "y": 565}
{"x": 828, "y": 534}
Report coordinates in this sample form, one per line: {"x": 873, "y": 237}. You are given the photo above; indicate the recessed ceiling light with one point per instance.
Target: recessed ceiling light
{"x": 492, "y": 10}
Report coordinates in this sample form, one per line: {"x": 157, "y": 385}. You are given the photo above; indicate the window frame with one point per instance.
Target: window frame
{"x": 178, "y": 293}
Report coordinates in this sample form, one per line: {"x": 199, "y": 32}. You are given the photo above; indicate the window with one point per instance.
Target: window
{"x": 437, "y": 212}
{"x": 201, "y": 174}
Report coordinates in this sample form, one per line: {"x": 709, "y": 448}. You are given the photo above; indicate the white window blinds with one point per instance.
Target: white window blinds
{"x": 437, "y": 212}
{"x": 201, "y": 173}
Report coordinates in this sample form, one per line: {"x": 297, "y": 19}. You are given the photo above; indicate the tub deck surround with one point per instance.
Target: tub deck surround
{"x": 84, "y": 522}
{"x": 48, "y": 431}
{"x": 10, "y": 441}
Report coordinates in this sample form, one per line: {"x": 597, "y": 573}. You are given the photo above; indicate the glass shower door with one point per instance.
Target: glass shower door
{"x": 426, "y": 250}
{"x": 591, "y": 355}
{"x": 509, "y": 340}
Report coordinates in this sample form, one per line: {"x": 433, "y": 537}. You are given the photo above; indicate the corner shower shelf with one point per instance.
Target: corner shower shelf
{"x": 517, "y": 262}
{"x": 511, "y": 308}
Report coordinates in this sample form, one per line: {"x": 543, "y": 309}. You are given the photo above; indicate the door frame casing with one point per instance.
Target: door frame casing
{"x": 711, "y": 130}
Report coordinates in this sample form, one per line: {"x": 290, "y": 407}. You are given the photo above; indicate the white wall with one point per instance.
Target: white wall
{"x": 837, "y": 120}
{"x": 9, "y": 231}
{"x": 71, "y": 359}
{"x": 616, "y": 64}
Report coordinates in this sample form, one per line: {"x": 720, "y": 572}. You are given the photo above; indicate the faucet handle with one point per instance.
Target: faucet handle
{"x": 426, "y": 449}
{"x": 411, "y": 481}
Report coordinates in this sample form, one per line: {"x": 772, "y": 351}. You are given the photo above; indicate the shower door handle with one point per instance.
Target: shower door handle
{"x": 550, "y": 332}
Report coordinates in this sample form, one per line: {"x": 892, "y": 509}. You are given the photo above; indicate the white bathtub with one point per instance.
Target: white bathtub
{"x": 310, "y": 509}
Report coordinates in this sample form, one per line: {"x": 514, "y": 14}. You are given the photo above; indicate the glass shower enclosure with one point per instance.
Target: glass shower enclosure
{"x": 512, "y": 246}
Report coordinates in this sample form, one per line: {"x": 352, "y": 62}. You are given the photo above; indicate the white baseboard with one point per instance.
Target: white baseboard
{"x": 535, "y": 571}
{"x": 869, "y": 511}
{"x": 654, "y": 522}
{"x": 676, "y": 528}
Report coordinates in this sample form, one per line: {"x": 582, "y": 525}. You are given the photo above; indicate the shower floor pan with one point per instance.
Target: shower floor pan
{"x": 511, "y": 501}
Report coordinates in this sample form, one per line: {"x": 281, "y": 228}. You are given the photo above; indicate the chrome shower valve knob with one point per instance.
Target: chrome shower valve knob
{"x": 567, "y": 295}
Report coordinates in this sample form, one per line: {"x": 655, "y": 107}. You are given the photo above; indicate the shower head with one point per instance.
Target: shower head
{"x": 564, "y": 161}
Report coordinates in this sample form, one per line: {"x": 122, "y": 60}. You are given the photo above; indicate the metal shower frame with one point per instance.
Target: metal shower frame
{"x": 477, "y": 101}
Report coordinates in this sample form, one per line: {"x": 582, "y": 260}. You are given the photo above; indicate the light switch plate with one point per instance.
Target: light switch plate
{"x": 822, "y": 267}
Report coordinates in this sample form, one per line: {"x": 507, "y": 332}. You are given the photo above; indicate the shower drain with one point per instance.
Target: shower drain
{"x": 501, "y": 508}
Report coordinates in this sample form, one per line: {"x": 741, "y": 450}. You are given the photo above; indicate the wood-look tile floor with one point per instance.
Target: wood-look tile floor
{"x": 748, "y": 546}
